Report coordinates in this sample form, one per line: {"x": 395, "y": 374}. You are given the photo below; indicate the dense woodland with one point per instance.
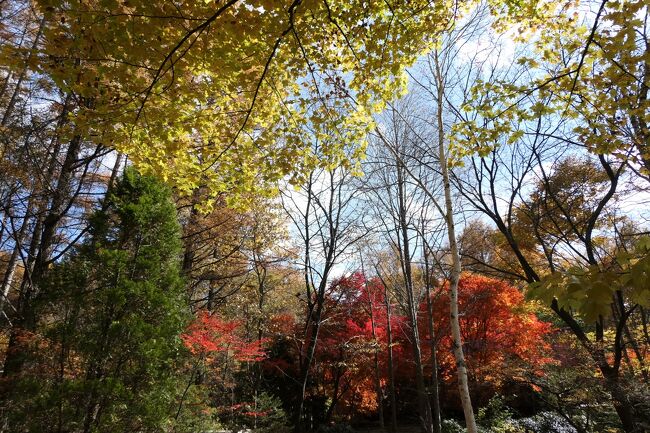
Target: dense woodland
{"x": 325, "y": 216}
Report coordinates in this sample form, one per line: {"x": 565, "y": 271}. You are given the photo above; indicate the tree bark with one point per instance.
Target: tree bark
{"x": 391, "y": 369}
{"x": 12, "y": 264}
{"x": 14, "y": 96}
{"x": 454, "y": 278}
{"x": 423, "y": 400}
{"x": 26, "y": 320}
{"x": 437, "y": 418}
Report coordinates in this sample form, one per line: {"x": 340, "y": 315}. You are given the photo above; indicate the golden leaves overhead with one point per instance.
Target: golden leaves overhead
{"x": 221, "y": 93}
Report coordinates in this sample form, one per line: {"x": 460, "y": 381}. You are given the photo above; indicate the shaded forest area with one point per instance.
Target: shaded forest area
{"x": 324, "y": 216}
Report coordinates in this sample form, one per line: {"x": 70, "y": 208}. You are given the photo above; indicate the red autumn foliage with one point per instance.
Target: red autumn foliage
{"x": 346, "y": 350}
{"x": 502, "y": 338}
{"x": 209, "y": 334}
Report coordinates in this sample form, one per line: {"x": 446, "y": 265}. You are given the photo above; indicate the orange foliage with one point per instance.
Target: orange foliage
{"x": 209, "y": 334}
{"x": 501, "y": 336}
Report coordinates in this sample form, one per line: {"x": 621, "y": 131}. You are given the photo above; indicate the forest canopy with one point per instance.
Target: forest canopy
{"x": 324, "y": 216}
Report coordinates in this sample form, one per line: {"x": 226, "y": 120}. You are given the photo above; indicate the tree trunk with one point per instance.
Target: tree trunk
{"x": 423, "y": 400}
{"x": 437, "y": 418}
{"x": 391, "y": 370}
{"x": 378, "y": 390}
{"x": 371, "y": 309}
{"x": 463, "y": 385}
{"x": 306, "y": 365}
{"x": 26, "y": 320}
{"x": 13, "y": 259}
{"x": 21, "y": 77}
{"x": 623, "y": 403}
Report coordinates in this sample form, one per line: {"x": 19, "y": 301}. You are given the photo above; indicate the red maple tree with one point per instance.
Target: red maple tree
{"x": 209, "y": 334}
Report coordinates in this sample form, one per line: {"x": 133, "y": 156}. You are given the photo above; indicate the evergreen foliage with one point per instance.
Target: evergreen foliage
{"x": 112, "y": 320}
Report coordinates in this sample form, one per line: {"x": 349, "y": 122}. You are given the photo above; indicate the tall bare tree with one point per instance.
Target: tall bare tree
{"x": 324, "y": 219}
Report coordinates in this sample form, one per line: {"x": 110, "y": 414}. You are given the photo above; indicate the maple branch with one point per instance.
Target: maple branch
{"x": 345, "y": 36}
{"x": 168, "y": 58}
{"x": 590, "y": 40}
{"x": 267, "y": 65}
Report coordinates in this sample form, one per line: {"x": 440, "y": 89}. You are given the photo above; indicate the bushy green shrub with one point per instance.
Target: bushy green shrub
{"x": 496, "y": 417}
{"x": 452, "y": 426}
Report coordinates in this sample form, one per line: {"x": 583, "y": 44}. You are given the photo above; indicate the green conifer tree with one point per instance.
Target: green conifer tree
{"x": 107, "y": 356}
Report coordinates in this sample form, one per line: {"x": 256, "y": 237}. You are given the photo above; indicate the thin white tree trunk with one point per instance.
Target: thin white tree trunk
{"x": 454, "y": 277}
{"x": 10, "y": 271}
